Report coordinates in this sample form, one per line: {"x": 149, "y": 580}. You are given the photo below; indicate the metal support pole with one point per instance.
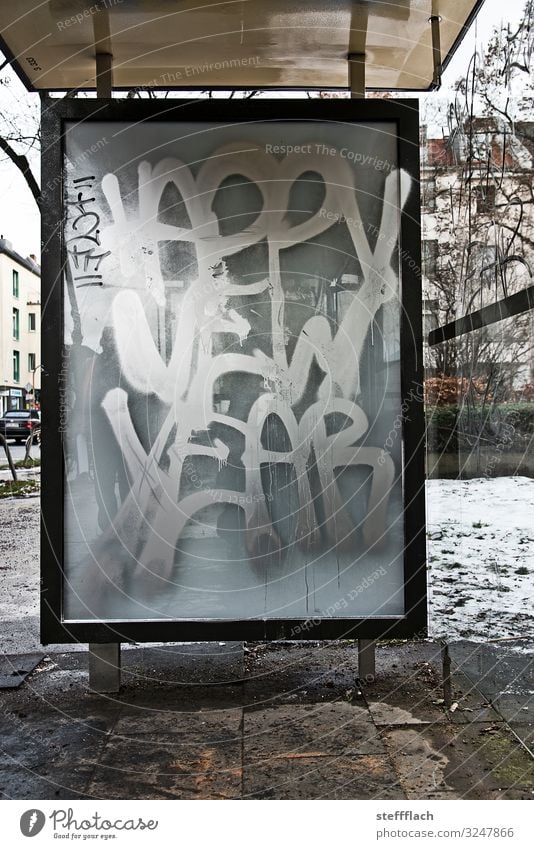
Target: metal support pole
{"x": 105, "y": 667}
{"x": 357, "y": 74}
{"x": 436, "y": 49}
{"x": 447, "y": 682}
{"x": 104, "y": 74}
{"x": 103, "y": 52}
{"x": 366, "y": 661}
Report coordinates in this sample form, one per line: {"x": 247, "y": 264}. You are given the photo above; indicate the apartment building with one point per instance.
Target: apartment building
{"x": 477, "y": 191}
{"x": 20, "y": 329}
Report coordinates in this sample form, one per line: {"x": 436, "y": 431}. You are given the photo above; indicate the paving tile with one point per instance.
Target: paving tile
{"x": 216, "y": 725}
{"x": 139, "y": 768}
{"x": 406, "y": 687}
{"x": 17, "y": 782}
{"x": 419, "y": 763}
{"x": 385, "y": 714}
{"x": 504, "y": 763}
{"x": 511, "y": 706}
{"x": 459, "y": 761}
{"x": 47, "y": 757}
{"x": 327, "y": 777}
{"x": 473, "y": 706}
{"x": 14, "y": 669}
{"x": 337, "y": 728}
{"x": 525, "y": 732}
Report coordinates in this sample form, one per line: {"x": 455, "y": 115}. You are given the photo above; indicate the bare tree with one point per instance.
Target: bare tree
{"x": 20, "y": 135}
{"x": 478, "y": 181}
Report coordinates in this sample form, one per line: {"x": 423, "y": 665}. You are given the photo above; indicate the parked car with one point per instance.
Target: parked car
{"x": 18, "y": 424}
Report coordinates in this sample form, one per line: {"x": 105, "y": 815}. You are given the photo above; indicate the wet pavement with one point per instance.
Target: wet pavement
{"x": 276, "y": 721}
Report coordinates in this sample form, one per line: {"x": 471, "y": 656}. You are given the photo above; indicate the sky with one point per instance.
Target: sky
{"x": 19, "y": 219}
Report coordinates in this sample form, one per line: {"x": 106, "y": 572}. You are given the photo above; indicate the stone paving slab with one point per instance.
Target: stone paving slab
{"x": 139, "y": 768}
{"x": 503, "y": 673}
{"x": 461, "y": 762}
{"x": 419, "y": 762}
{"x": 297, "y": 727}
{"x": 507, "y": 766}
{"x": 473, "y": 706}
{"x": 15, "y": 668}
{"x": 18, "y": 782}
{"x": 326, "y": 777}
{"x": 515, "y": 708}
{"x": 212, "y": 726}
{"x": 385, "y": 713}
{"x": 338, "y": 728}
{"x": 47, "y": 754}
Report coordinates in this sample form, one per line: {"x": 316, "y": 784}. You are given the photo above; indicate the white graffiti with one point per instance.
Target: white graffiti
{"x": 186, "y": 383}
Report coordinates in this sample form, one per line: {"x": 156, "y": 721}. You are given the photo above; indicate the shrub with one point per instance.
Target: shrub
{"x": 451, "y": 427}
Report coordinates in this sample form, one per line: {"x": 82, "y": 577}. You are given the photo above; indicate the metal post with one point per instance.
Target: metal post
{"x": 357, "y": 74}
{"x": 447, "y": 683}
{"x": 366, "y": 661}
{"x": 104, "y": 74}
{"x": 359, "y": 16}
{"x": 105, "y": 667}
{"x": 436, "y": 49}
{"x": 103, "y": 52}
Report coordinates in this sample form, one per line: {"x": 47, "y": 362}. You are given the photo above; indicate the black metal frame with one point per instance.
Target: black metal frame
{"x": 404, "y": 113}
{"x": 515, "y": 304}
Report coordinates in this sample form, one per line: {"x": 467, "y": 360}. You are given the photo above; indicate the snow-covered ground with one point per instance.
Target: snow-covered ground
{"x": 481, "y": 558}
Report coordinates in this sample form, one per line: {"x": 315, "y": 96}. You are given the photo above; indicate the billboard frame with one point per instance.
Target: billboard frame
{"x": 54, "y": 628}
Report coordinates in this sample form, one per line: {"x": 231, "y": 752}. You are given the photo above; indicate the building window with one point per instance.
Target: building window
{"x": 485, "y": 198}
{"x": 16, "y": 324}
{"x": 16, "y": 366}
{"x": 429, "y": 194}
{"x": 430, "y": 257}
{"x": 15, "y": 284}
{"x": 483, "y": 263}
{"x": 430, "y": 315}
{"x": 31, "y": 362}
{"x": 31, "y": 321}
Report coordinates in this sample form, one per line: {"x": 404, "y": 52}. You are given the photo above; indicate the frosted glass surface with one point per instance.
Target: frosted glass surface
{"x": 232, "y": 373}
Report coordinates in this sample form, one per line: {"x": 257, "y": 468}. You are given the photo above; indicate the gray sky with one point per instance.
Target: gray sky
{"x": 19, "y": 219}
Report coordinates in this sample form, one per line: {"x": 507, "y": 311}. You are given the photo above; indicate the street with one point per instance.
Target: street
{"x": 18, "y": 452}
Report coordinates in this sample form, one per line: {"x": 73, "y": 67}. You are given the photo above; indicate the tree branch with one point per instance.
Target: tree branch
{"x": 23, "y": 165}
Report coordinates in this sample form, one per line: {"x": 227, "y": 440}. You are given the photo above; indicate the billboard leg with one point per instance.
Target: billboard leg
{"x": 366, "y": 661}
{"x": 105, "y": 667}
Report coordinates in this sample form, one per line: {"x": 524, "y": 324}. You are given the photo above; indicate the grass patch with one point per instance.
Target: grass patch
{"x": 20, "y": 464}
{"x": 19, "y": 489}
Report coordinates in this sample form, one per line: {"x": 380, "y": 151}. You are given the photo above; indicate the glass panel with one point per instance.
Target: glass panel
{"x": 233, "y": 386}
{"x": 480, "y": 457}
{"x": 282, "y": 43}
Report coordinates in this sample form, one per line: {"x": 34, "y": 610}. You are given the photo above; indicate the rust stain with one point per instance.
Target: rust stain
{"x": 205, "y": 772}
{"x": 297, "y": 755}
